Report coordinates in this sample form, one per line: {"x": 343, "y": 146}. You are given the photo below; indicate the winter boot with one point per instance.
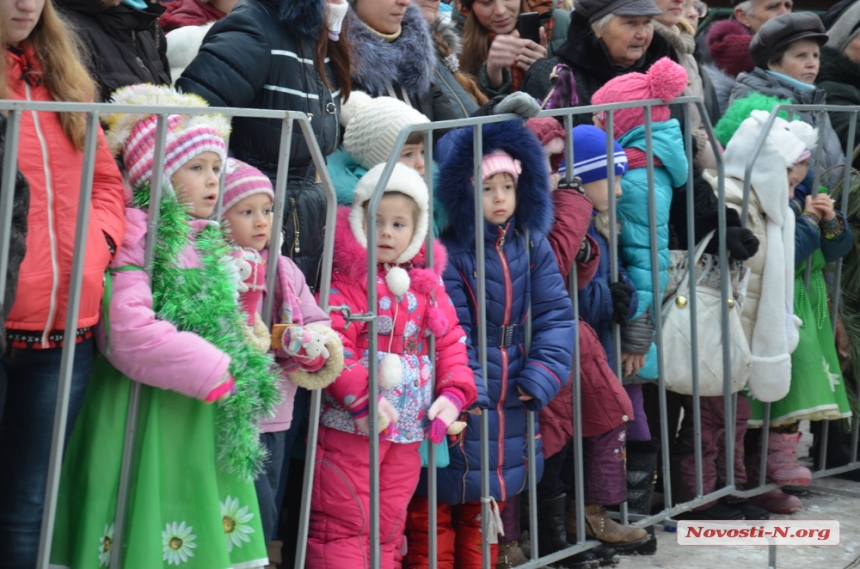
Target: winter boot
{"x": 510, "y": 555}
{"x": 777, "y": 502}
{"x": 600, "y": 526}
{"x": 838, "y": 448}
{"x": 782, "y": 465}
{"x": 641, "y": 476}
{"x": 552, "y": 536}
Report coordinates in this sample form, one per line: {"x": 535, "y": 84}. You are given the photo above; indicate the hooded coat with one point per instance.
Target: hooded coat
{"x": 448, "y": 47}
{"x": 17, "y": 238}
{"x": 522, "y": 276}
{"x": 404, "y": 68}
{"x": 589, "y": 60}
{"x": 761, "y": 81}
{"x": 125, "y": 45}
{"x": 262, "y": 55}
{"x": 635, "y": 240}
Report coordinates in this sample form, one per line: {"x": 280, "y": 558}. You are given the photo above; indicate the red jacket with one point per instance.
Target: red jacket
{"x": 52, "y": 165}
{"x": 604, "y": 402}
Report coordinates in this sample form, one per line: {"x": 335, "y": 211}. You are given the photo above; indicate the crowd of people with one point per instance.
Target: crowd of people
{"x": 226, "y": 370}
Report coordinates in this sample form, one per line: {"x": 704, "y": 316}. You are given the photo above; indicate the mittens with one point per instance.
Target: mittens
{"x": 443, "y": 413}
{"x": 520, "y": 103}
{"x": 621, "y": 296}
{"x": 638, "y": 334}
{"x": 388, "y": 416}
{"x": 741, "y": 243}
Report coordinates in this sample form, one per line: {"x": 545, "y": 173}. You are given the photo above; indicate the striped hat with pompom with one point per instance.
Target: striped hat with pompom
{"x": 132, "y": 136}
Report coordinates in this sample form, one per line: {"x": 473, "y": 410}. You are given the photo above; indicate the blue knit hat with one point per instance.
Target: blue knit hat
{"x": 589, "y": 155}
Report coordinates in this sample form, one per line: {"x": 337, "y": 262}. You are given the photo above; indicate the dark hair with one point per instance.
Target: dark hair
{"x": 415, "y": 138}
{"x": 338, "y": 53}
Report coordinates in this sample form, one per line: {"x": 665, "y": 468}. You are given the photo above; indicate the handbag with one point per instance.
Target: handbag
{"x": 678, "y": 364}
{"x": 442, "y": 456}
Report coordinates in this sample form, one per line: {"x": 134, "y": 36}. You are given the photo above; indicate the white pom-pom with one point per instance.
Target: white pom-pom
{"x": 357, "y": 101}
{"x": 397, "y": 280}
{"x": 390, "y": 371}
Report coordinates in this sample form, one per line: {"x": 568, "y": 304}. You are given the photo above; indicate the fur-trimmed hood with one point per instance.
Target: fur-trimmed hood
{"x": 408, "y": 62}
{"x": 350, "y": 256}
{"x": 443, "y": 31}
{"x": 837, "y": 68}
{"x": 304, "y": 17}
{"x": 455, "y": 186}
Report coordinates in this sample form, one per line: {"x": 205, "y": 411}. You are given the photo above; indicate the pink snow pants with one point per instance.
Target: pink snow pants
{"x": 340, "y": 503}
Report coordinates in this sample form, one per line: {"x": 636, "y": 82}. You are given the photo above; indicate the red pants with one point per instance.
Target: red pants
{"x": 459, "y": 543}
{"x": 340, "y": 503}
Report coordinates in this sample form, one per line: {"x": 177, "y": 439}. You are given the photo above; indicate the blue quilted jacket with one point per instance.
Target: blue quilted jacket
{"x": 513, "y": 281}
{"x": 635, "y": 240}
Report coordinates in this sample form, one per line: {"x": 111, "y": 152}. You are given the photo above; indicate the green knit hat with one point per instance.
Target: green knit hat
{"x": 740, "y": 110}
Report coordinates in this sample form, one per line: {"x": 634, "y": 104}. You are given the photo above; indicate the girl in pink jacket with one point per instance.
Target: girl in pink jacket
{"x": 309, "y": 353}
{"x": 205, "y": 387}
{"x": 411, "y": 304}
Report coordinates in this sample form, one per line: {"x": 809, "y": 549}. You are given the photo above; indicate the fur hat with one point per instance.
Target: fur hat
{"x": 243, "y": 180}
{"x": 183, "y": 44}
{"x": 133, "y": 135}
{"x": 372, "y": 126}
{"x": 404, "y": 180}
{"x": 589, "y": 155}
{"x": 665, "y": 80}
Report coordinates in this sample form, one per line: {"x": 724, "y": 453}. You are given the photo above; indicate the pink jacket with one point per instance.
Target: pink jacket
{"x": 147, "y": 349}
{"x": 310, "y": 313}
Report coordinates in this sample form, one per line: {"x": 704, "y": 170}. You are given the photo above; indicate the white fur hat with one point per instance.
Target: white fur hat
{"x": 182, "y": 47}
{"x": 405, "y": 180}
{"x": 372, "y": 125}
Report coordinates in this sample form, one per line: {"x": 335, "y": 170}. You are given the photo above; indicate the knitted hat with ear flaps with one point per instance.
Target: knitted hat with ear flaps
{"x": 372, "y": 126}
{"x": 665, "y": 80}
{"x": 133, "y": 135}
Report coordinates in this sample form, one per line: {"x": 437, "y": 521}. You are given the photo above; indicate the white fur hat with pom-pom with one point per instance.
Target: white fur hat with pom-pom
{"x": 372, "y": 125}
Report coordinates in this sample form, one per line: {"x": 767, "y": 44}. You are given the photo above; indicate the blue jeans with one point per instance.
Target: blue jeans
{"x": 29, "y": 381}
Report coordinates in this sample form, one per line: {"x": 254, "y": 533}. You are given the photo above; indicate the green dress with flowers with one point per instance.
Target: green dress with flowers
{"x": 817, "y": 388}
{"x": 192, "y": 502}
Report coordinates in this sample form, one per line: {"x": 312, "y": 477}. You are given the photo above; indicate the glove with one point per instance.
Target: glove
{"x": 741, "y": 243}
{"x": 443, "y": 413}
{"x": 388, "y": 417}
{"x": 304, "y": 342}
{"x": 621, "y": 293}
{"x": 520, "y": 103}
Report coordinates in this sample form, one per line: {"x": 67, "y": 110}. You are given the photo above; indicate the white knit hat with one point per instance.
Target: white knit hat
{"x": 405, "y": 180}
{"x": 372, "y": 126}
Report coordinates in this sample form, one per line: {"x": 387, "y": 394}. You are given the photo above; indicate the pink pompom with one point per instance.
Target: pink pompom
{"x": 423, "y": 280}
{"x": 667, "y": 79}
{"x": 437, "y": 321}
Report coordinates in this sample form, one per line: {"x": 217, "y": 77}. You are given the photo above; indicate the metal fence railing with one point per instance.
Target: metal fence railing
{"x": 568, "y": 117}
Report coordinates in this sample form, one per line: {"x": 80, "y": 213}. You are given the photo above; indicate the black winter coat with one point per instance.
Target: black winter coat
{"x": 17, "y": 239}
{"x": 262, "y": 56}
{"x": 839, "y": 77}
{"x": 126, "y": 46}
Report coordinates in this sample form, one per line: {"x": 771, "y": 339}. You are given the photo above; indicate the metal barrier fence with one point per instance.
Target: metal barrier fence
{"x": 567, "y": 116}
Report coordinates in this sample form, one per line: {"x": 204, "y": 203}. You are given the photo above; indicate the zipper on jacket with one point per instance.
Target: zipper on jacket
{"x": 52, "y": 237}
{"x": 296, "y": 228}
{"x": 500, "y": 406}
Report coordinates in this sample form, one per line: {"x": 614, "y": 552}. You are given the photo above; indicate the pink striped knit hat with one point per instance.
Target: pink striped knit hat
{"x": 134, "y": 135}
{"x": 243, "y": 180}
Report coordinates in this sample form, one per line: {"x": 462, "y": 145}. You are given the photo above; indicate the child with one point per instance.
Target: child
{"x": 664, "y": 80}
{"x": 516, "y": 200}
{"x": 312, "y": 354}
{"x": 371, "y": 127}
{"x": 191, "y": 499}
{"x": 412, "y": 303}
{"x": 766, "y": 308}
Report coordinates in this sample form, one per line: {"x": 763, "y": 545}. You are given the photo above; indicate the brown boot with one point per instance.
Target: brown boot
{"x": 510, "y": 555}
{"x": 600, "y": 526}
{"x": 273, "y": 549}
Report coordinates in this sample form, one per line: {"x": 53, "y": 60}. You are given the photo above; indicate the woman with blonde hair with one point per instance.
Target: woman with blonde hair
{"x": 42, "y": 63}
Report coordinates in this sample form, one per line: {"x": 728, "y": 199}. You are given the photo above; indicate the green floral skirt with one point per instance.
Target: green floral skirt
{"x": 183, "y": 509}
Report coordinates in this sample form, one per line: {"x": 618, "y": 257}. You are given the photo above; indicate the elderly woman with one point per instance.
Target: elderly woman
{"x": 494, "y": 52}
{"x": 786, "y": 53}
{"x": 607, "y": 39}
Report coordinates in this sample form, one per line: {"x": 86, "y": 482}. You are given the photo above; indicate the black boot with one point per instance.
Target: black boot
{"x": 641, "y": 476}
{"x": 838, "y": 448}
{"x": 552, "y": 536}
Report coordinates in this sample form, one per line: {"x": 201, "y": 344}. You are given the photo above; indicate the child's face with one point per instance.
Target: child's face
{"x": 197, "y": 183}
{"x": 395, "y": 226}
{"x": 598, "y": 192}
{"x": 413, "y": 156}
{"x": 250, "y": 221}
{"x": 500, "y": 198}
{"x": 796, "y": 175}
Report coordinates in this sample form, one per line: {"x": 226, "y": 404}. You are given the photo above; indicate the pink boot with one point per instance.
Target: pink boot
{"x": 782, "y": 465}
{"x": 777, "y": 502}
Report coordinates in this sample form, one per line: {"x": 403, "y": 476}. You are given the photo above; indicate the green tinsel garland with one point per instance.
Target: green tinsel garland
{"x": 207, "y": 306}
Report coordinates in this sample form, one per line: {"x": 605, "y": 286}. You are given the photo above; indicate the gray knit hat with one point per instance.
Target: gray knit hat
{"x": 845, "y": 28}
{"x": 593, "y": 10}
